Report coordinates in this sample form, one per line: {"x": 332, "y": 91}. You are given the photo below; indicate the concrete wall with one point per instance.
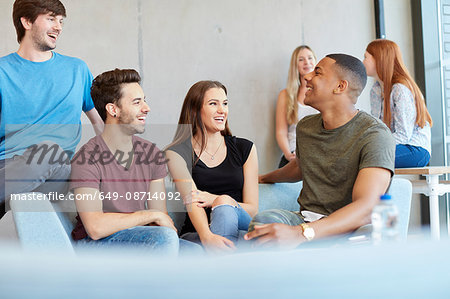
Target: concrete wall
{"x": 245, "y": 44}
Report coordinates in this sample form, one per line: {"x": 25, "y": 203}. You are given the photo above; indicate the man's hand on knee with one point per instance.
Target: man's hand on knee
{"x": 276, "y": 235}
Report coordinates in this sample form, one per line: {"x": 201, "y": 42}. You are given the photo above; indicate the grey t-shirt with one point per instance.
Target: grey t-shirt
{"x": 331, "y": 159}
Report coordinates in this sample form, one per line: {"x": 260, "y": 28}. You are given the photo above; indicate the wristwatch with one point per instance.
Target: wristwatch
{"x": 307, "y": 231}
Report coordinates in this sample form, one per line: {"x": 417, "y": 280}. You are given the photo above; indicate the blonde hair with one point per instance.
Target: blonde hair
{"x": 293, "y": 84}
{"x": 391, "y": 69}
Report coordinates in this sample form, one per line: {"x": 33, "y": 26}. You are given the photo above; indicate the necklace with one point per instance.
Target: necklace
{"x": 212, "y": 155}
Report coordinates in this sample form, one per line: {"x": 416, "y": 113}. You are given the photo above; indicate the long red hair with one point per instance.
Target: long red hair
{"x": 390, "y": 70}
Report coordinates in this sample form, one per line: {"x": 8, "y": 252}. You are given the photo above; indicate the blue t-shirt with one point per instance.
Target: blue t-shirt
{"x": 42, "y": 101}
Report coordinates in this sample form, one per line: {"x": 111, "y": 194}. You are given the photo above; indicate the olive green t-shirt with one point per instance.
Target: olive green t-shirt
{"x": 331, "y": 159}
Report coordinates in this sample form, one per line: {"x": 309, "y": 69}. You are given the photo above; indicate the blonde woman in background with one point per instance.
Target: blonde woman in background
{"x": 290, "y": 104}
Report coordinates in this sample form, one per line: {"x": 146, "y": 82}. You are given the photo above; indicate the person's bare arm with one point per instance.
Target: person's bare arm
{"x": 186, "y": 186}
{"x": 369, "y": 185}
{"x": 100, "y": 225}
{"x": 290, "y": 173}
{"x": 250, "y": 189}
{"x": 282, "y": 126}
{"x": 96, "y": 120}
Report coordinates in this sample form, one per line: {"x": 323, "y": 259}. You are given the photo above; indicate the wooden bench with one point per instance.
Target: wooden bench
{"x": 431, "y": 187}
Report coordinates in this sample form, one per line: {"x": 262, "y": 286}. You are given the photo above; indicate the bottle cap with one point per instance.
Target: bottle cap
{"x": 385, "y": 197}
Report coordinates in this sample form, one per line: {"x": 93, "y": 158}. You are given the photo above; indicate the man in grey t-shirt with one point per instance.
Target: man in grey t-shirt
{"x": 345, "y": 158}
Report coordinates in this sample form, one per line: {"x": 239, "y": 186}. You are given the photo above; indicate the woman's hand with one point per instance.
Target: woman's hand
{"x": 203, "y": 199}
{"x": 290, "y": 157}
{"x": 217, "y": 244}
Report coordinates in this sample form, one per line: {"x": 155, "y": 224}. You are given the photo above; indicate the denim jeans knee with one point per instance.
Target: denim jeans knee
{"x": 275, "y": 216}
{"x": 224, "y": 222}
{"x": 158, "y": 239}
{"x": 227, "y": 220}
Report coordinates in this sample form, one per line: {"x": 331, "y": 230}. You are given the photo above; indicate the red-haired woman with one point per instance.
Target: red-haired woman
{"x": 397, "y": 100}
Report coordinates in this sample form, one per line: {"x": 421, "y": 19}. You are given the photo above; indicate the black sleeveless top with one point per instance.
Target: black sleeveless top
{"x": 225, "y": 178}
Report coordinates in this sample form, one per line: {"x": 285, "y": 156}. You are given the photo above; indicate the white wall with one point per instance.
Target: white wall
{"x": 245, "y": 44}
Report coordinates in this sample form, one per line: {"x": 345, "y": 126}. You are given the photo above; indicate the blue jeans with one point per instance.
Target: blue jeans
{"x": 410, "y": 156}
{"x": 226, "y": 221}
{"x": 275, "y": 216}
{"x": 158, "y": 239}
{"x": 190, "y": 248}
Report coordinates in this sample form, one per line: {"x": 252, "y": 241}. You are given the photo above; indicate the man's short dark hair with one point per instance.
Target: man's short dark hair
{"x": 352, "y": 70}
{"x": 106, "y": 88}
{"x": 31, "y": 9}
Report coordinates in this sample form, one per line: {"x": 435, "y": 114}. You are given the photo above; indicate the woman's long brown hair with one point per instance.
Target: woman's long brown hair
{"x": 191, "y": 115}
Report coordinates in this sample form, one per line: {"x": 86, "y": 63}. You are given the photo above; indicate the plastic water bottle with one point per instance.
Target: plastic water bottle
{"x": 384, "y": 221}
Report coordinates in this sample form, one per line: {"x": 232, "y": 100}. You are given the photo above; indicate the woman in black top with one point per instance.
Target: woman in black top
{"x": 216, "y": 173}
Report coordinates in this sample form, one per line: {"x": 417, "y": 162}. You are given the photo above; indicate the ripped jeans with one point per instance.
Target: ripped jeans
{"x": 227, "y": 221}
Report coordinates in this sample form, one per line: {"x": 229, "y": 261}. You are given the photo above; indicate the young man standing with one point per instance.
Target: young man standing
{"x": 345, "y": 158}
{"x": 118, "y": 178}
{"x": 42, "y": 95}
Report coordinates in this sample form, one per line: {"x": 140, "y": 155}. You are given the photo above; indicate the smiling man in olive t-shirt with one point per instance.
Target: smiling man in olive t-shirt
{"x": 345, "y": 158}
